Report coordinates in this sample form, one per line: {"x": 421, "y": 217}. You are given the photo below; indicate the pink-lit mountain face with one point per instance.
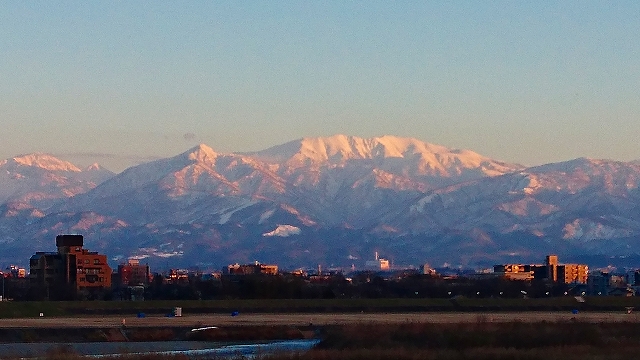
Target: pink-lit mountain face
{"x": 39, "y": 178}
{"x": 331, "y": 200}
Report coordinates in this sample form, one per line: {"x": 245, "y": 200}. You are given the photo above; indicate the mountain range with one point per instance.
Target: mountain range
{"x": 333, "y": 201}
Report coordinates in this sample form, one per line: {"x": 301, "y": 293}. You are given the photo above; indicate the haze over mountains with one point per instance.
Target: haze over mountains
{"x": 331, "y": 200}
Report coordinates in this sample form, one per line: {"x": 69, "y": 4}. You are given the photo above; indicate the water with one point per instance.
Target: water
{"x": 192, "y": 349}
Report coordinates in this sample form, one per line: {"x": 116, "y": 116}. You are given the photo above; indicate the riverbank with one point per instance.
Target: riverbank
{"x": 481, "y": 339}
{"x": 156, "y": 334}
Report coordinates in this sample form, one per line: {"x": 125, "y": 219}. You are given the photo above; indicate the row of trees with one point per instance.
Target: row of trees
{"x": 363, "y": 285}
{"x": 287, "y": 286}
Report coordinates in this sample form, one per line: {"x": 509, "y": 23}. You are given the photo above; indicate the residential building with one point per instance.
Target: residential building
{"x": 16, "y": 272}
{"x": 250, "y": 269}
{"x": 551, "y": 270}
{"x": 572, "y": 273}
{"x": 551, "y": 262}
{"x": 514, "y": 271}
{"x": 70, "y": 270}
{"x": 133, "y": 273}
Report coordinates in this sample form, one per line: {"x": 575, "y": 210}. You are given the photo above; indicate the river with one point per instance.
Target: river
{"x": 193, "y": 349}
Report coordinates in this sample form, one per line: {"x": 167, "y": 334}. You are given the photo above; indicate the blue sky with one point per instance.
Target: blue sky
{"x": 123, "y": 82}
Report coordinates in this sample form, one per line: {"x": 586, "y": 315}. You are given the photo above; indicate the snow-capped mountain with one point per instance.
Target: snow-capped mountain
{"x": 592, "y": 205}
{"x": 415, "y": 164}
{"x": 328, "y": 200}
{"x": 40, "y": 178}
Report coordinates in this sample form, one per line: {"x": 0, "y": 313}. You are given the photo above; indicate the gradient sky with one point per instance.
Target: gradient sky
{"x": 122, "y": 82}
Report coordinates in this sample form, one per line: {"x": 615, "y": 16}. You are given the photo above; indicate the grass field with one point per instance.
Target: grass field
{"x": 76, "y": 308}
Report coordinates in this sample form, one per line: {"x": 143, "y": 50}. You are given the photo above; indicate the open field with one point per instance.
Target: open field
{"x": 27, "y": 309}
{"x": 197, "y": 320}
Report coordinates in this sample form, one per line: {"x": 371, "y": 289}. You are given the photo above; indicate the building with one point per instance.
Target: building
{"x": 16, "y": 272}
{"x": 572, "y": 273}
{"x": 133, "y": 274}
{"x": 250, "y": 269}
{"x": 551, "y": 262}
{"x": 70, "y": 270}
{"x": 176, "y": 276}
{"x": 426, "y": 269}
{"x": 551, "y": 270}
{"x": 378, "y": 264}
{"x": 514, "y": 271}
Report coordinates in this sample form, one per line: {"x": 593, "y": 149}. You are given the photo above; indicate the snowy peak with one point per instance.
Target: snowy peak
{"x": 94, "y": 167}
{"x": 341, "y": 147}
{"x": 44, "y": 161}
{"x": 201, "y": 153}
{"x": 396, "y": 155}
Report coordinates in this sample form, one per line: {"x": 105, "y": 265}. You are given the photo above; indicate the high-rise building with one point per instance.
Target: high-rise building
{"x": 71, "y": 269}
{"x": 550, "y": 271}
{"x": 551, "y": 261}
{"x": 573, "y": 273}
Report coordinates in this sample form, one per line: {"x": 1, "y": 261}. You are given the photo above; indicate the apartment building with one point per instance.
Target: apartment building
{"x": 133, "y": 273}
{"x": 551, "y": 270}
{"x": 70, "y": 270}
{"x": 250, "y": 269}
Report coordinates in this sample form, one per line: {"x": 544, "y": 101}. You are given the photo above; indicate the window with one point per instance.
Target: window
{"x": 86, "y": 261}
{"x": 79, "y": 261}
{"x": 96, "y": 261}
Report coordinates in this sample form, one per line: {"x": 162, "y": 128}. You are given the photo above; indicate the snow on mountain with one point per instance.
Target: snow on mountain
{"x": 199, "y": 170}
{"x": 399, "y": 163}
{"x": 283, "y": 231}
{"x": 588, "y": 230}
{"x": 580, "y": 199}
{"x": 42, "y": 161}
{"x": 34, "y": 178}
{"x": 199, "y": 185}
{"x": 346, "y": 194}
{"x": 385, "y": 151}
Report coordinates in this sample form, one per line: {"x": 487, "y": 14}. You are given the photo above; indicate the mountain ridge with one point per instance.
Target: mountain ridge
{"x": 334, "y": 198}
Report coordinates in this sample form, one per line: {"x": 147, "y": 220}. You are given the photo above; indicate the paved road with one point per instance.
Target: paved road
{"x": 196, "y": 320}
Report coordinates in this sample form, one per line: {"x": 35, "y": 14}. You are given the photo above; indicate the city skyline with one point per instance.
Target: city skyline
{"x": 125, "y": 83}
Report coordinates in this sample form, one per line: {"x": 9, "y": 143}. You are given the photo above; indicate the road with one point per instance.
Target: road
{"x": 200, "y": 320}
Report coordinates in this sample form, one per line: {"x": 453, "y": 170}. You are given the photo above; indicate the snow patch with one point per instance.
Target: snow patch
{"x": 224, "y": 218}
{"x": 265, "y": 215}
{"x": 284, "y": 231}
{"x": 157, "y": 253}
{"x": 586, "y": 230}
{"x": 419, "y": 207}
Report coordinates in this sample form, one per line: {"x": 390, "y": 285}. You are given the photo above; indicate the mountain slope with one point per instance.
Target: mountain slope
{"x": 40, "y": 178}
{"x": 404, "y": 157}
{"x": 592, "y": 205}
{"x": 336, "y": 199}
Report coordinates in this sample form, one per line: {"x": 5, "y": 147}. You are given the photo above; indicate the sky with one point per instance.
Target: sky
{"x": 124, "y": 82}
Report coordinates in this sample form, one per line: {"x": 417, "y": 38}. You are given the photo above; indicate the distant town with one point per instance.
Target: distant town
{"x": 76, "y": 273}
